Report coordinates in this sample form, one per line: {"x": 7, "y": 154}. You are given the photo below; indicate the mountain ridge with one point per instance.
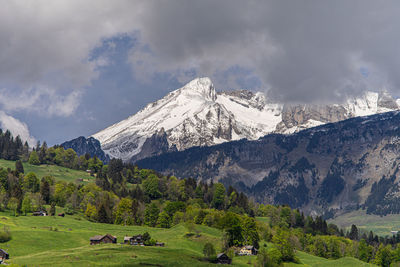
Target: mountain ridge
{"x": 197, "y": 115}
{"x": 328, "y": 169}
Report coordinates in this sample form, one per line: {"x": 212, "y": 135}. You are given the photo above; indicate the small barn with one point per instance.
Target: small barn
{"x": 222, "y": 258}
{"x": 102, "y": 239}
{"x": 4, "y": 255}
{"x": 160, "y": 244}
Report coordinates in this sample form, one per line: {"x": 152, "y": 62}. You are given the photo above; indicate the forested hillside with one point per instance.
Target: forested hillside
{"x": 123, "y": 194}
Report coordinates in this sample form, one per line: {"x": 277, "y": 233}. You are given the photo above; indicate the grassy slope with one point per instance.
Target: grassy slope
{"x": 379, "y": 225}
{"x": 36, "y": 243}
{"x": 60, "y": 173}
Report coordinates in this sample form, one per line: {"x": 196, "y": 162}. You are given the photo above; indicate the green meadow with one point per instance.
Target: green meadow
{"x": 59, "y": 173}
{"x": 58, "y": 241}
{"x": 369, "y": 222}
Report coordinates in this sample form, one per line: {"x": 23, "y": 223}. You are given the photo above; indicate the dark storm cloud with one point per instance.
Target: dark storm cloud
{"x": 304, "y": 51}
{"x": 298, "y": 51}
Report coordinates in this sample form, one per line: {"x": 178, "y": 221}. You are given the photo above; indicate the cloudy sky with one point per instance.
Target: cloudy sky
{"x": 71, "y": 68}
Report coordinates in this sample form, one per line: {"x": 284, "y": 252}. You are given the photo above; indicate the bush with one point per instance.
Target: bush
{"x": 208, "y": 250}
{"x": 69, "y": 209}
{"x": 5, "y": 236}
{"x": 150, "y": 242}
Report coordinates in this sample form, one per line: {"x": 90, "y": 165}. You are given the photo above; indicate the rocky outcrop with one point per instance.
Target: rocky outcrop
{"x": 82, "y": 146}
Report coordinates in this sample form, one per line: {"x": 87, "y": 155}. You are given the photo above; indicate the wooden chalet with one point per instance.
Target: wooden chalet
{"x": 102, "y": 239}
{"x": 222, "y": 258}
{"x": 248, "y": 250}
{"x": 4, "y": 255}
{"x": 136, "y": 240}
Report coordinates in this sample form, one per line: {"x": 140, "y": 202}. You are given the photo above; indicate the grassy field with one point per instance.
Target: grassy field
{"x": 60, "y": 173}
{"x": 379, "y": 225}
{"x": 57, "y": 241}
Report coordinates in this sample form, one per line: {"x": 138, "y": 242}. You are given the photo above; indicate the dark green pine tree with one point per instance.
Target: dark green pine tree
{"x": 45, "y": 190}
{"x": 19, "y": 167}
{"x": 103, "y": 215}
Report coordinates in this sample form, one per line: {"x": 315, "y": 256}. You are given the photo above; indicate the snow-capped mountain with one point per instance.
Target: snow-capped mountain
{"x": 196, "y": 115}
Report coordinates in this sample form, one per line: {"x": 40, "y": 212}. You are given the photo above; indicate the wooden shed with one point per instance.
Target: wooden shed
{"x": 102, "y": 239}
{"x": 4, "y": 255}
{"x": 222, "y": 258}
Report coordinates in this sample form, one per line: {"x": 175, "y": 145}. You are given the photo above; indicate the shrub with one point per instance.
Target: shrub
{"x": 5, "y": 236}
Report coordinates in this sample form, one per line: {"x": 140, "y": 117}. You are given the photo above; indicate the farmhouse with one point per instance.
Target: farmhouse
{"x": 98, "y": 239}
{"x": 222, "y": 258}
{"x": 136, "y": 240}
{"x": 4, "y": 255}
{"x": 248, "y": 250}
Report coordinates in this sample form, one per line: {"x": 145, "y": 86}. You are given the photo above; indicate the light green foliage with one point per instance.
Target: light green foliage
{"x": 91, "y": 211}
{"x": 282, "y": 241}
{"x": 13, "y": 205}
{"x": 26, "y": 205}
{"x": 365, "y": 251}
{"x": 269, "y": 258}
{"x": 383, "y": 256}
{"x": 123, "y": 212}
{"x": 208, "y": 250}
{"x": 164, "y": 220}
{"x": 150, "y": 186}
{"x": 31, "y": 183}
{"x": 219, "y": 196}
{"x": 250, "y": 232}
{"x": 178, "y": 217}
{"x": 34, "y": 158}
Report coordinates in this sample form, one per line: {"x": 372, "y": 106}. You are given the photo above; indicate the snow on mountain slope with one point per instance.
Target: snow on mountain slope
{"x": 196, "y": 115}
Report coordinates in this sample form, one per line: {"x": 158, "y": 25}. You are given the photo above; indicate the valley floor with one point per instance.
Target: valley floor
{"x": 380, "y": 225}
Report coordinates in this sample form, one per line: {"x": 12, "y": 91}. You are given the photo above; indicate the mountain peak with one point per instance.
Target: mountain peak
{"x": 203, "y": 86}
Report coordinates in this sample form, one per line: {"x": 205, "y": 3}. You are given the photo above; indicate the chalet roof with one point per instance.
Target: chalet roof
{"x": 3, "y": 251}
{"x": 221, "y": 255}
{"x": 97, "y": 237}
{"x": 100, "y": 237}
{"x": 248, "y": 247}
{"x": 127, "y": 238}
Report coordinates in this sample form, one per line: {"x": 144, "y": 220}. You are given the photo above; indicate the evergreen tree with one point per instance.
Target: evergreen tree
{"x": 151, "y": 215}
{"x": 353, "y": 235}
{"x": 42, "y": 153}
{"x": 218, "y": 196}
{"x": 102, "y": 215}
{"x": 19, "y": 168}
{"x": 45, "y": 190}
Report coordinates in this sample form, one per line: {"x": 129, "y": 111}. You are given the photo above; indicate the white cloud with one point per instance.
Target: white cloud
{"x": 16, "y": 127}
